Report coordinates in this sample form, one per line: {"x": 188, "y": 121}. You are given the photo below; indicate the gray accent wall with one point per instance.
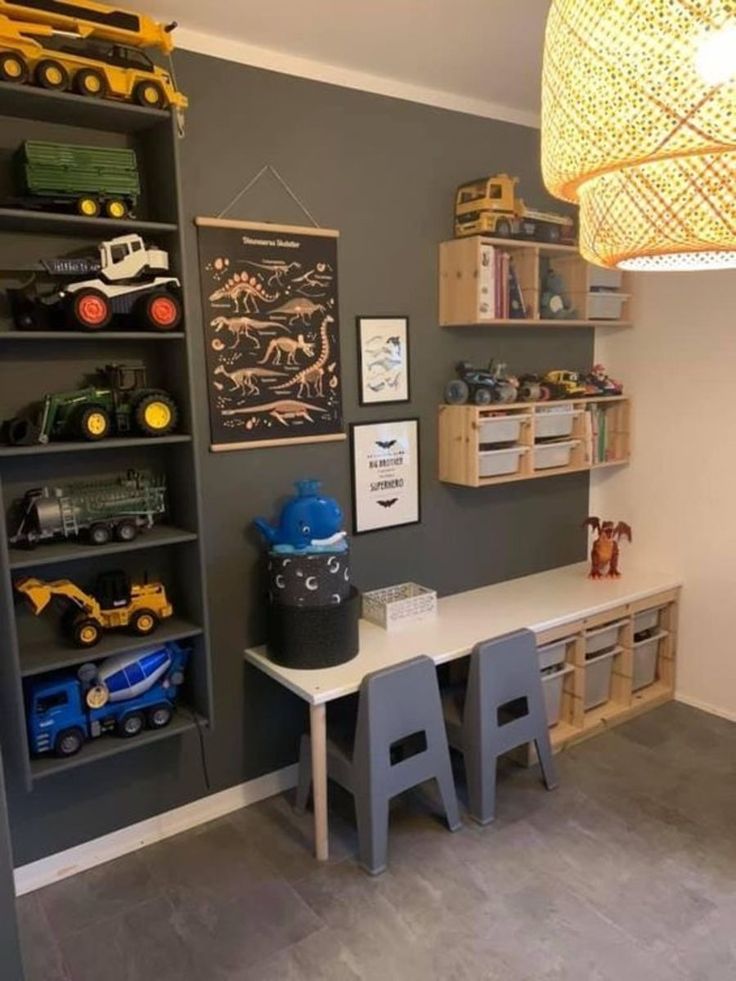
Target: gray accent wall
{"x": 383, "y": 172}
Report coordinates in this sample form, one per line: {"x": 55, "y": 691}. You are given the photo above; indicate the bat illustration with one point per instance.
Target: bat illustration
{"x": 386, "y": 444}
{"x": 389, "y": 503}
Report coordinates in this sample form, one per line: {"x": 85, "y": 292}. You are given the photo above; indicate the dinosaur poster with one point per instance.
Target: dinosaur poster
{"x": 271, "y": 322}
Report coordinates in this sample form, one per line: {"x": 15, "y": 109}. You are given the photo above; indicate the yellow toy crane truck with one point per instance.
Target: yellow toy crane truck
{"x": 489, "y": 206}
{"x": 92, "y": 48}
{"x": 115, "y": 605}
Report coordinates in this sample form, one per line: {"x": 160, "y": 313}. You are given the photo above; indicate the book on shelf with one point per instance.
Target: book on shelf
{"x": 599, "y": 435}
{"x": 504, "y": 299}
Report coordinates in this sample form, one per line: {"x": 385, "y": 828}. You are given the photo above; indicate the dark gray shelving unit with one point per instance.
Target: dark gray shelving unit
{"x": 33, "y": 363}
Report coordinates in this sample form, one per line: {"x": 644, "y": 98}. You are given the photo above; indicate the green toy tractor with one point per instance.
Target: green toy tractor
{"x": 121, "y": 405}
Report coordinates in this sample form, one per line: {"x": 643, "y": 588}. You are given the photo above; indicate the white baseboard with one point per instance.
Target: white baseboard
{"x": 705, "y": 707}
{"x": 53, "y": 868}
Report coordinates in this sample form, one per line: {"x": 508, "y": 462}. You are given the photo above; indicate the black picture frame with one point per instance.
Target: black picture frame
{"x": 356, "y": 497}
{"x": 363, "y": 400}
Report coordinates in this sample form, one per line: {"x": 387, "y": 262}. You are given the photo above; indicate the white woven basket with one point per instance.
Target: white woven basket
{"x": 399, "y": 606}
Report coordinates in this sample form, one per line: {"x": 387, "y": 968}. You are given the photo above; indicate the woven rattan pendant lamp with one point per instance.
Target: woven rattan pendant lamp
{"x": 639, "y": 129}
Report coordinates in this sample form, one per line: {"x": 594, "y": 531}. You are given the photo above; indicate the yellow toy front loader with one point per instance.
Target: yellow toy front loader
{"x": 116, "y": 605}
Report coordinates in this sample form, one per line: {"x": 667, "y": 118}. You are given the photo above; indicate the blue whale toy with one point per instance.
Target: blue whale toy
{"x": 308, "y": 523}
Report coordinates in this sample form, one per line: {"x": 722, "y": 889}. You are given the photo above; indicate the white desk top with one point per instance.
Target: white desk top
{"x": 539, "y": 602}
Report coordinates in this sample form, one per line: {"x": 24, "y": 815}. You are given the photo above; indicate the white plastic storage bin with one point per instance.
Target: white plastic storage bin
{"x": 647, "y": 620}
{"x": 552, "y": 655}
{"x": 501, "y": 429}
{"x": 555, "y": 422}
{"x": 554, "y": 454}
{"x": 645, "y": 661}
{"x": 602, "y": 638}
{"x": 495, "y": 463}
{"x": 604, "y": 279}
{"x": 553, "y": 684}
{"x": 598, "y": 674}
{"x": 606, "y": 306}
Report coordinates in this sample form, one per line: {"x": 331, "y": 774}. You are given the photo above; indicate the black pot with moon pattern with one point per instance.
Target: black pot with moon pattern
{"x": 316, "y": 579}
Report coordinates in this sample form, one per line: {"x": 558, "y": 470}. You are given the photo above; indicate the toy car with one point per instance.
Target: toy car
{"x": 125, "y": 281}
{"x": 88, "y": 47}
{"x": 114, "y": 605}
{"x": 117, "y": 508}
{"x": 597, "y": 382}
{"x": 121, "y": 405}
{"x": 564, "y": 385}
{"x": 481, "y": 386}
{"x": 122, "y": 694}
{"x": 88, "y": 180}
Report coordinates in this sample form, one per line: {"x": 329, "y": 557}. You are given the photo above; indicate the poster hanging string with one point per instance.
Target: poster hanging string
{"x": 268, "y": 169}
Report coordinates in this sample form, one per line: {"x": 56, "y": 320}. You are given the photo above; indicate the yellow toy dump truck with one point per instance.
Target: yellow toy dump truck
{"x": 86, "y": 47}
{"x": 115, "y": 605}
{"x": 489, "y": 206}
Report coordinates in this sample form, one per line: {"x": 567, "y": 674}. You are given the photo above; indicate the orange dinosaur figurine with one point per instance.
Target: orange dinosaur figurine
{"x": 605, "y": 552}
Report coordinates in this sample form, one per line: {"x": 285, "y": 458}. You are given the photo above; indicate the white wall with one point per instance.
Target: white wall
{"x": 679, "y": 493}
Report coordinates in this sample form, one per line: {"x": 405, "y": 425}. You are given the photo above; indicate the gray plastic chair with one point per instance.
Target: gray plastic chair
{"x": 394, "y": 705}
{"x": 504, "y": 708}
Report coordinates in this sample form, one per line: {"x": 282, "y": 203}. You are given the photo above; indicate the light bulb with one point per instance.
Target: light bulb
{"x": 715, "y": 58}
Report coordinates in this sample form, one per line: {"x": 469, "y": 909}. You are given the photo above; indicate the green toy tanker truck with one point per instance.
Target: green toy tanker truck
{"x": 122, "y": 404}
{"x": 86, "y": 179}
{"x": 102, "y": 510}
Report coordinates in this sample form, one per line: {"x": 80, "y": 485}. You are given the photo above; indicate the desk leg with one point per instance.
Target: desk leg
{"x": 318, "y": 727}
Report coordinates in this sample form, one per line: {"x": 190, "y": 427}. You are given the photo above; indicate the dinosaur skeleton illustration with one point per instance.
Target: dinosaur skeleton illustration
{"x": 242, "y": 379}
{"x": 277, "y": 269}
{"x": 310, "y": 379}
{"x": 318, "y": 278}
{"x": 298, "y": 308}
{"x": 289, "y": 347}
{"x": 284, "y": 411}
{"x": 245, "y": 327}
{"x": 244, "y": 293}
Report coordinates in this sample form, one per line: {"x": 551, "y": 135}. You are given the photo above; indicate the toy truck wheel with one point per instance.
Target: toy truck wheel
{"x": 92, "y": 423}
{"x": 86, "y": 632}
{"x": 13, "y": 68}
{"x": 131, "y": 724}
{"x": 150, "y": 94}
{"x": 91, "y": 83}
{"x": 160, "y": 310}
{"x": 457, "y": 392}
{"x": 116, "y": 208}
{"x": 88, "y": 207}
{"x": 99, "y": 534}
{"x": 126, "y": 531}
{"x": 482, "y": 396}
{"x": 144, "y": 622}
{"x": 503, "y": 229}
{"x": 90, "y": 309}
{"x": 156, "y": 414}
{"x": 159, "y": 716}
{"x": 69, "y": 742}
{"x": 51, "y": 74}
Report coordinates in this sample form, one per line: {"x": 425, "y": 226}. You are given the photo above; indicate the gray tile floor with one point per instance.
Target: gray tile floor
{"x": 626, "y": 873}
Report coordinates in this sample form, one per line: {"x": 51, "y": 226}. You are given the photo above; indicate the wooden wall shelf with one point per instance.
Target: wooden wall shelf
{"x": 472, "y": 439}
{"x": 466, "y": 284}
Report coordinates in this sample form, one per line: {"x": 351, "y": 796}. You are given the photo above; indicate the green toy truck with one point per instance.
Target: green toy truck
{"x": 87, "y": 179}
{"x": 121, "y": 405}
{"x": 118, "y": 508}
